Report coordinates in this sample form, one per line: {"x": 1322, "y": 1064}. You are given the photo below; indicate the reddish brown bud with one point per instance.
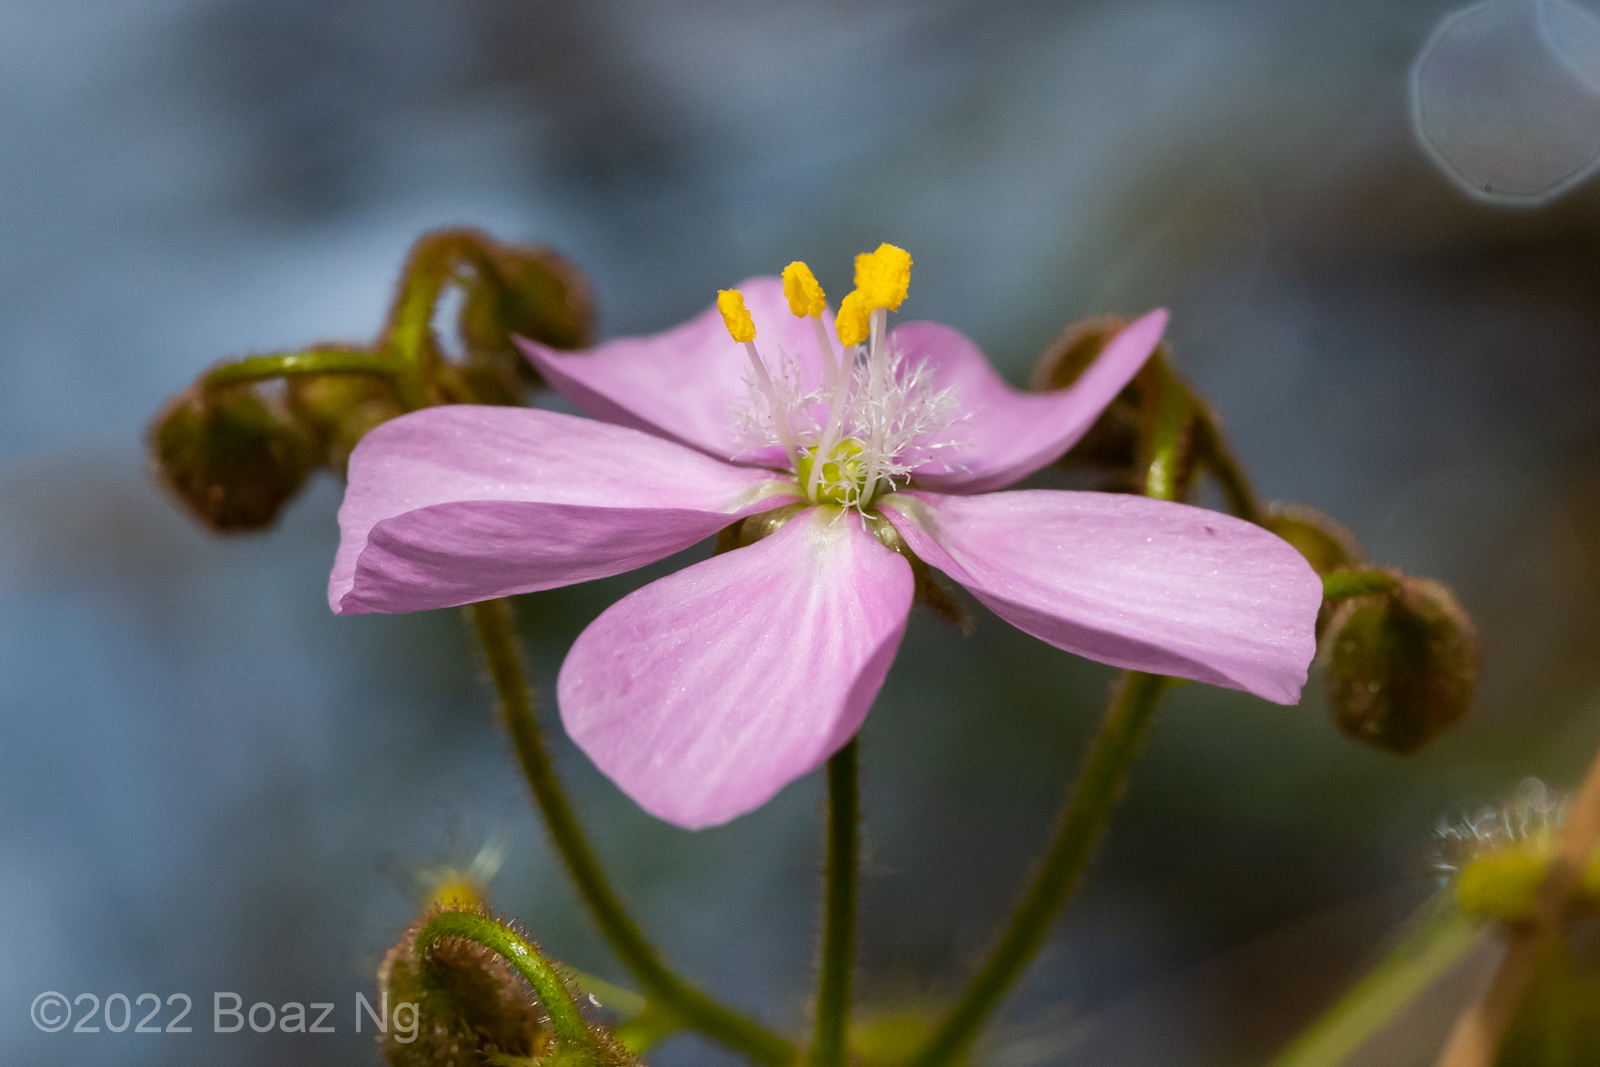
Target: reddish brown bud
{"x": 231, "y": 456}
{"x": 1402, "y": 666}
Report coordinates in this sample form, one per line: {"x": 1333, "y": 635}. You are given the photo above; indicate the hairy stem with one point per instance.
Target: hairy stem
{"x": 1217, "y": 455}
{"x": 1091, "y": 799}
{"x": 1078, "y": 830}
{"x": 311, "y": 361}
{"x": 407, "y": 389}
{"x": 839, "y": 923}
{"x": 665, "y": 989}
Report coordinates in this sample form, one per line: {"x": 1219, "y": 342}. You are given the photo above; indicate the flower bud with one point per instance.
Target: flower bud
{"x": 1325, "y": 544}
{"x": 1113, "y": 441}
{"x": 538, "y": 295}
{"x": 339, "y": 410}
{"x": 1401, "y": 666}
{"x": 471, "y": 1005}
{"x": 232, "y": 456}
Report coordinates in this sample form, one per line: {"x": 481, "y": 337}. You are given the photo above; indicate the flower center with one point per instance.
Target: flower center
{"x": 875, "y": 417}
{"x": 842, "y": 477}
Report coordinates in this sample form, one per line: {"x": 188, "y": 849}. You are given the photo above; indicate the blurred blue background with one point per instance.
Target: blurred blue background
{"x": 209, "y": 783}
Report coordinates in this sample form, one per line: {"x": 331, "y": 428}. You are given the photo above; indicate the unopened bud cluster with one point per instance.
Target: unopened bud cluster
{"x": 237, "y": 445}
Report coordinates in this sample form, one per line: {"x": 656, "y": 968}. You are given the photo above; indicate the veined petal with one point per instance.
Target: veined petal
{"x": 1007, "y": 434}
{"x": 1132, "y": 582}
{"x": 684, "y": 383}
{"x": 456, "y": 504}
{"x": 703, "y": 694}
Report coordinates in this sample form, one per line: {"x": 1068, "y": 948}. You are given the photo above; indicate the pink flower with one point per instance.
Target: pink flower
{"x": 703, "y": 694}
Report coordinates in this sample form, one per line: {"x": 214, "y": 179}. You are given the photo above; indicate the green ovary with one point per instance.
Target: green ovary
{"x": 843, "y": 478}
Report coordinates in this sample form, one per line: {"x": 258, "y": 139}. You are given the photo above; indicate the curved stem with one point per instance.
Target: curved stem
{"x": 1225, "y": 466}
{"x": 565, "y": 1019}
{"x": 407, "y": 388}
{"x": 492, "y": 619}
{"x": 1094, "y": 795}
{"x": 839, "y": 923}
{"x": 1078, "y": 830}
{"x": 311, "y": 361}
{"x": 1172, "y": 421}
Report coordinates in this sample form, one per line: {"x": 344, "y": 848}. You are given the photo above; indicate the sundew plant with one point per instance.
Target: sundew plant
{"x": 852, "y": 469}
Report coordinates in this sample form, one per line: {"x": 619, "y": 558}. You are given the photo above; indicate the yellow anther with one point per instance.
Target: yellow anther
{"x": 731, "y": 303}
{"x": 800, "y": 286}
{"x": 883, "y": 276}
{"x": 853, "y": 324}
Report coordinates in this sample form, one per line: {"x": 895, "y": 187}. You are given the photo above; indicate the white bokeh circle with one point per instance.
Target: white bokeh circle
{"x": 1505, "y": 97}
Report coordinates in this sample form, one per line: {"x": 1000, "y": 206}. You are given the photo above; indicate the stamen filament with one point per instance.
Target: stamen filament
{"x": 780, "y": 417}
{"x": 876, "y": 358}
{"x": 832, "y": 371}
{"x": 836, "y": 377}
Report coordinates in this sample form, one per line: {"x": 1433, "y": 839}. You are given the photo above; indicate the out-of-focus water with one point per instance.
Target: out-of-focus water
{"x": 208, "y": 783}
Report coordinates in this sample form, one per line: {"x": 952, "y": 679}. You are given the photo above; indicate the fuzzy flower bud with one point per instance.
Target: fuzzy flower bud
{"x": 232, "y": 456}
{"x": 482, "y": 993}
{"x": 339, "y": 409}
{"x": 471, "y": 1005}
{"x": 1325, "y": 544}
{"x": 1401, "y": 666}
{"x": 534, "y": 293}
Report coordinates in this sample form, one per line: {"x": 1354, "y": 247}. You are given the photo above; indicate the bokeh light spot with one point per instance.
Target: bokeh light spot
{"x": 1505, "y": 97}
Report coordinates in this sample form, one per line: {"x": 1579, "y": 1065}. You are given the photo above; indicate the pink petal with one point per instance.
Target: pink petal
{"x": 703, "y": 694}
{"x": 456, "y": 504}
{"x": 1007, "y": 434}
{"x": 683, "y": 384}
{"x": 1129, "y": 581}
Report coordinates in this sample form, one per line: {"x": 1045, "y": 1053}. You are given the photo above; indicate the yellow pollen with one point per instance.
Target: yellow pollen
{"x": 852, "y": 324}
{"x": 731, "y": 303}
{"x": 800, "y": 286}
{"x": 883, "y": 276}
